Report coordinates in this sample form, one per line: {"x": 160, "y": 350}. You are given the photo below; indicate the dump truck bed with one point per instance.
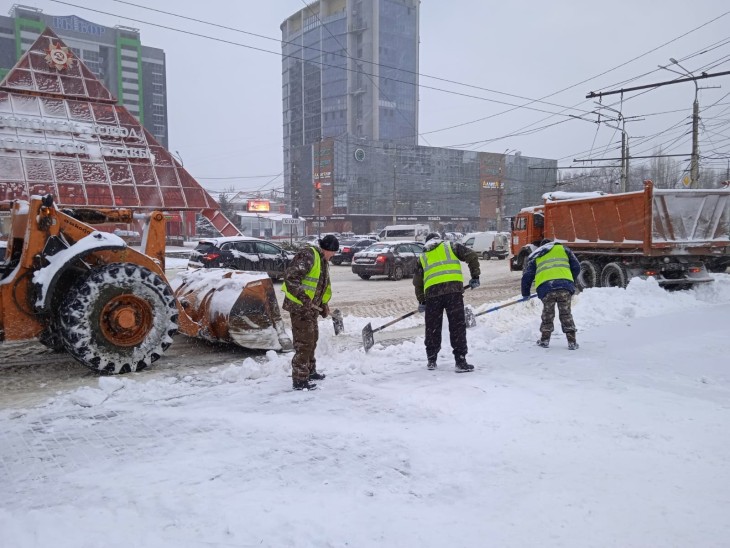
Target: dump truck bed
{"x": 653, "y": 222}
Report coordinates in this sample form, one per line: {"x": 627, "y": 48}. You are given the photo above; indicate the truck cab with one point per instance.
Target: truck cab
{"x": 528, "y": 228}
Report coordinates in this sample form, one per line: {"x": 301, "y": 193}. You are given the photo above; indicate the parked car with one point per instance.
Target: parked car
{"x": 404, "y": 232}
{"x": 312, "y": 239}
{"x": 348, "y": 248}
{"x": 392, "y": 259}
{"x": 488, "y": 244}
{"x": 241, "y": 253}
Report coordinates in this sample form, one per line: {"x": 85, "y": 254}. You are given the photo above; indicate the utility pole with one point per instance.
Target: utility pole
{"x": 694, "y": 166}
{"x": 694, "y": 169}
{"x": 318, "y": 189}
{"x": 624, "y": 180}
{"x": 394, "y": 201}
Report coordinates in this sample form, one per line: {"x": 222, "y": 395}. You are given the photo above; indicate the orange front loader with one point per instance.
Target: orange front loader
{"x": 108, "y": 305}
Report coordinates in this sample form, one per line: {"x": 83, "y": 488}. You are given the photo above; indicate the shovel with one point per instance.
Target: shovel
{"x": 367, "y": 332}
{"x": 337, "y": 321}
{"x": 473, "y": 321}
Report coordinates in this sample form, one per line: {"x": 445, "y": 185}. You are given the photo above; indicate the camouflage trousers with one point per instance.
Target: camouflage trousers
{"x": 561, "y": 297}
{"x": 305, "y": 333}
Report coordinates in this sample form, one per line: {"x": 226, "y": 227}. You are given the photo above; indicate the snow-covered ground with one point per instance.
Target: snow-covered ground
{"x": 621, "y": 443}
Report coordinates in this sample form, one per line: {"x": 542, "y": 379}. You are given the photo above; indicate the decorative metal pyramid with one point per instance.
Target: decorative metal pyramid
{"x": 62, "y": 133}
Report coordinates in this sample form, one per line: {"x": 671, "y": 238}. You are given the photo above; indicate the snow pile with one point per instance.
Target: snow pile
{"x": 621, "y": 443}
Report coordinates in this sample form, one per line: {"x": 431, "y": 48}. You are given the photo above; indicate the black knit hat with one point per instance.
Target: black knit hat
{"x": 329, "y": 243}
{"x": 433, "y": 235}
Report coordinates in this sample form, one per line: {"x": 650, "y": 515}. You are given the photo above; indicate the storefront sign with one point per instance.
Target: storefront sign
{"x": 71, "y": 147}
{"x": 64, "y": 126}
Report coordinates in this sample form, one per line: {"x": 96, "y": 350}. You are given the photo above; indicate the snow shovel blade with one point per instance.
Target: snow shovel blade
{"x": 471, "y": 320}
{"x": 337, "y": 321}
{"x": 367, "y": 332}
{"x": 368, "y": 340}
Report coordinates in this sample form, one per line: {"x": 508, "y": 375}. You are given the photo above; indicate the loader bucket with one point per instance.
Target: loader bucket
{"x": 233, "y": 306}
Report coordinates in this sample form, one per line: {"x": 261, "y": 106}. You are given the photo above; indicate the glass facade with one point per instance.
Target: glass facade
{"x": 350, "y": 125}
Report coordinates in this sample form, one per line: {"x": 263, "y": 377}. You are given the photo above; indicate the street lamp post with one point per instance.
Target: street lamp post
{"x": 500, "y": 186}
{"x": 694, "y": 169}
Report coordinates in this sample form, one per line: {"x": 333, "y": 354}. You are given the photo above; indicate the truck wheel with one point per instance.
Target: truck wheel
{"x": 589, "y": 275}
{"x": 118, "y": 318}
{"x": 614, "y": 275}
{"x": 364, "y": 276}
{"x": 397, "y": 273}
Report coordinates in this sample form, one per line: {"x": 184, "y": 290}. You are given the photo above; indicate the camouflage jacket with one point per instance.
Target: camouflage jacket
{"x": 298, "y": 269}
{"x": 463, "y": 253}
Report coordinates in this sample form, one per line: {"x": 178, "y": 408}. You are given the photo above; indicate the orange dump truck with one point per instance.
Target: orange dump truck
{"x": 676, "y": 236}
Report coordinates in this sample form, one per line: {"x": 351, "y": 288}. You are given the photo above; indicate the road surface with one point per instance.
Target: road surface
{"x": 30, "y": 373}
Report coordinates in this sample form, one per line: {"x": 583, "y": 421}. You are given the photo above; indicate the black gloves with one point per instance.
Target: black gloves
{"x": 422, "y": 307}
{"x": 474, "y": 283}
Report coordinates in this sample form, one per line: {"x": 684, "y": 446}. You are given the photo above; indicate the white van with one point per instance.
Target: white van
{"x": 415, "y": 233}
{"x": 488, "y": 244}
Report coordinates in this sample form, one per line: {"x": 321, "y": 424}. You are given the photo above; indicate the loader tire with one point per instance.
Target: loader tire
{"x": 118, "y": 318}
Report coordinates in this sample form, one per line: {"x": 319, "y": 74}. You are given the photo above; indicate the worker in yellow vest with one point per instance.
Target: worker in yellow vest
{"x": 439, "y": 287}
{"x": 554, "y": 269}
{"x": 307, "y": 291}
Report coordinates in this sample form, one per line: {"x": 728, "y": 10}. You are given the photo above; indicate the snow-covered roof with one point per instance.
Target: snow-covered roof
{"x": 562, "y": 195}
{"x": 225, "y": 239}
{"x": 268, "y": 216}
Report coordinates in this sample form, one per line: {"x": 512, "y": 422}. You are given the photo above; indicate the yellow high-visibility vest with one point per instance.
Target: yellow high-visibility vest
{"x": 310, "y": 282}
{"x": 554, "y": 265}
{"x": 440, "y": 265}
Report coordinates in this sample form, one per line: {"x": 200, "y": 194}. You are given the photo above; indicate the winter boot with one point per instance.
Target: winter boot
{"x": 462, "y": 366}
{"x": 544, "y": 340}
{"x": 304, "y": 385}
{"x": 572, "y": 343}
{"x": 316, "y": 376}
{"x": 431, "y": 365}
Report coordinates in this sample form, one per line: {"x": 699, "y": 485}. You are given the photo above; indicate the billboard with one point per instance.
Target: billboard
{"x": 258, "y": 206}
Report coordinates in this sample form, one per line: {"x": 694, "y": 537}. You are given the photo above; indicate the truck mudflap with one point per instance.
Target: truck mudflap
{"x": 233, "y": 306}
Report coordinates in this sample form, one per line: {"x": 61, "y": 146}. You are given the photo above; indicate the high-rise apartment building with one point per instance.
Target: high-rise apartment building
{"x": 133, "y": 72}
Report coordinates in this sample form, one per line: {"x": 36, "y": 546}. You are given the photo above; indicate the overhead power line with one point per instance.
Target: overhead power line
{"x": 321, "y": 63}
{"x": 703, "y": 76}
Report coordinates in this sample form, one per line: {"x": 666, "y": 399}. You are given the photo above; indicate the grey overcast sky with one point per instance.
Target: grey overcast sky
{"x": 225, "y": 100}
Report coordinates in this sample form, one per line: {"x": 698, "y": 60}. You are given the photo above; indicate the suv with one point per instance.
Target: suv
{"x": 348, "y": 248}
{"x": 241, "y": 253}
{"x": 392, "y": 259}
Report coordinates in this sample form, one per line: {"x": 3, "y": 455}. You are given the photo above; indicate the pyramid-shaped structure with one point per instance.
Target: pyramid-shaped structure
{"x": 62, "y": 133}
